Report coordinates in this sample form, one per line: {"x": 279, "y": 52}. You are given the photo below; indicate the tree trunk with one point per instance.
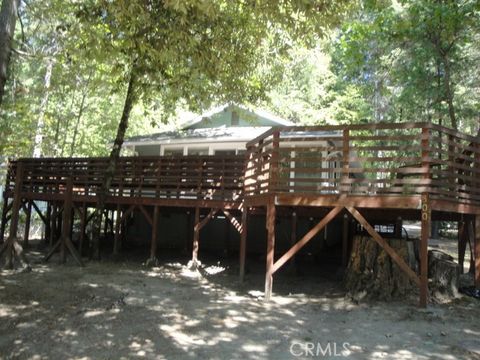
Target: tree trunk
{"x": 112, "y": 163}
{"x": 449, "y": 93}
{"x": 79, "y": 117}
{"x": 8, "y": 17}
{"x": 37, "y": 145}
{"x": 372, "y": 274}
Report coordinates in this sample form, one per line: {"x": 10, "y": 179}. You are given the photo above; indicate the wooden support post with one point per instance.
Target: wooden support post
{"x": 118, "y": 228}
{"x": 470, "y": 235}
{"x": 426, "y": 218}
{"x": 28, "y": 217}
{"x": 243, "y": 243}
{"x": 425, "y": 235}
{"x": 462, "y": 245}
{"x": 11, "y": 246}
{"x": 17, "y": 200}
{"x": 48, "y": 223}
{"x": 83, "y": 227}
{"x": 67, "y": 219}
{"x": 153, "y": 261}
{"x": 105, "y": 224}
{"x": 344, "y": 188}
{"x": 477, "y": 251}
{"x": 274, "y": 163}
{"x": 53, "y": 227}
{"x": 345, "y": 234}
{"x": 270, "y": 223}
{"x": 65, "y": 241}
{"x": 5, "y": 210}
{"x": 196, "y": 237}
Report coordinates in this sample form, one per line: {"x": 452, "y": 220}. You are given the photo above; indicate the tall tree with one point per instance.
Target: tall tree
{"x": 8, "y": 16}
{"x": 413, "y": 59}
{"x": 198, "y": 51}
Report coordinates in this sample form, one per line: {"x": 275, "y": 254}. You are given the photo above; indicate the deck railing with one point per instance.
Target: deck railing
{"x": 373, "y": 159}
{"x": 173, "y": 177}
{"x": 361, "y": 160}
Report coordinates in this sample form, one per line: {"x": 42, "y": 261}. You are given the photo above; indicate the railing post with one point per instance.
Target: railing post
{"x": 259, "y": 167}
{"x": 273, "y": 178}
{"x": 426, "y": 219}
{"x": 451, "y": 161}
{"x": 247, "y": 163}
{"x": 344, "y": 187}
{"x": 426, "y": 155}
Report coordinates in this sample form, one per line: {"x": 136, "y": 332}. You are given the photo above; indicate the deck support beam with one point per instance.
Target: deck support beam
{"x": 53, "y": 226}
{"x": 198, "y": 225}
{"x": 270, "y": 224}
{"x": 307, "y": 237}
{"x": 462, "y": 245}
{"x": 153, "y": 261}
{"x": 345, "y": 237}
{"x": 48, "y": 223}
{"x": 426, "y": 217}
{"x": 243, "y": 243}
{"x": 39, "y": 212}
{"x": 65, "y": 241}
{"x": 28, "y": 218}
{"x": 11, "y": 246}
{"x": 146, "y": 214}
{"x": 118, "y": 228}
{"x": 83, "y": 226}
{"x": 6, "y": 208}
{"x": 470, "y": 233}
{"x": 196, "y": 236}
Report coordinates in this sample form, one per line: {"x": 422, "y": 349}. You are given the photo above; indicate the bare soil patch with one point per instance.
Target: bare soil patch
{"x": 122, "y": 310}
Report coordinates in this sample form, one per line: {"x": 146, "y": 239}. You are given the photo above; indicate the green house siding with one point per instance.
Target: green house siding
{"x": 232, "y": 116}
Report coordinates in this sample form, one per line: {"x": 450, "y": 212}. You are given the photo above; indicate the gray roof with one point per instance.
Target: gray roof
{"x": 220, "y": 133}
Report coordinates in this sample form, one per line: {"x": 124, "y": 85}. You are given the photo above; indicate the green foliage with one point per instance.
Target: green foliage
{"x": 188, "y": 54}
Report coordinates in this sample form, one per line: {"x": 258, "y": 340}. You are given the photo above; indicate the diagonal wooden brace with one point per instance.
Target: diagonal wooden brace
{"x": 306, "y": 238}
{"x": 236, "y": 224}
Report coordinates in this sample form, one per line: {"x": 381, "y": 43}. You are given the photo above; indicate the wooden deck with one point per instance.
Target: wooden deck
{"x": 409, "y": 170}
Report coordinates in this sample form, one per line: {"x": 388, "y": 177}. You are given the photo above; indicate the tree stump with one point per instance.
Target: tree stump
{"x": 444, "y": 274}
{"x": 371, "y": 273}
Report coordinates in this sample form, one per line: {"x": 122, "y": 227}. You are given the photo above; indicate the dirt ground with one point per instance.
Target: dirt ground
{"x": 122, "y": 310}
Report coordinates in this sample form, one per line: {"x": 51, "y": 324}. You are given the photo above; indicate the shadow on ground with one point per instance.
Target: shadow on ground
{"x": 120, "y": 309}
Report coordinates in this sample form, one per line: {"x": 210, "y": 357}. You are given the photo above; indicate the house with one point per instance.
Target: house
{"x": 226, "y": 130}
{"x": 222, "y": 130}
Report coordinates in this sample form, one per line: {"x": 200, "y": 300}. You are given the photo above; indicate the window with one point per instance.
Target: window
{"x": 173, "y": 151}
{"x": 198, "y": 151}
{"x": 224, "y": 152}
{"x": 147, "y": 150}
